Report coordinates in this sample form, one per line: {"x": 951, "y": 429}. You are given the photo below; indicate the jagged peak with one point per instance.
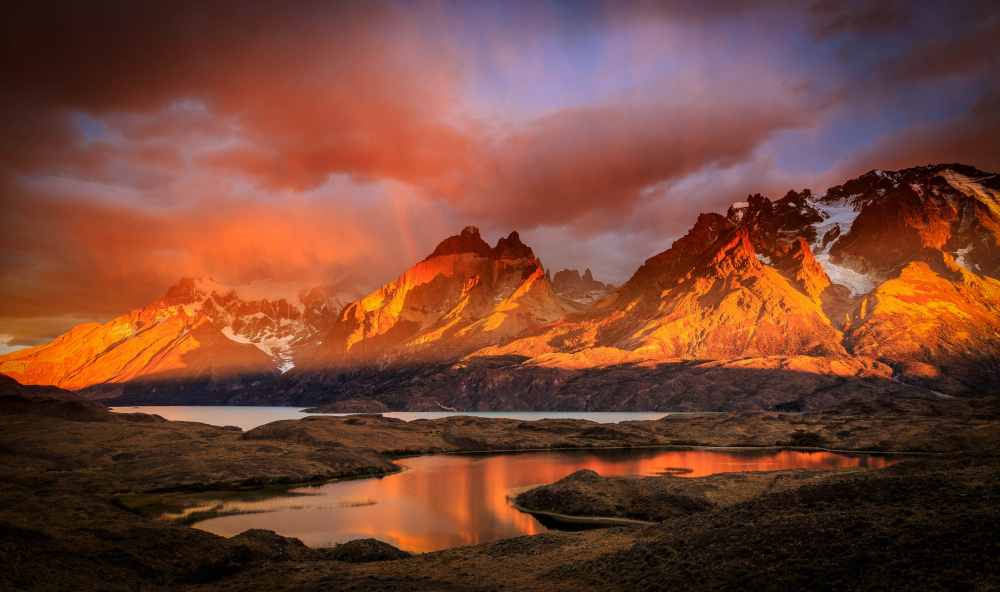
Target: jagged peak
{"x": 735, "y": 247}
{"x": 929, "y": 169}
{"x": 189, "y": 290}
{"x": 882, "y": 179}
{"x": 512, "y": 248}
{"x": 682, "y": 254}
{"x": 195, "y": 290}
{"x": 567, "y": 275}
{"x": 706, "y": 229}
{"x": 709, "y": 222}
{"x": 470, "y": 241}
{"x": 756, "y": 203}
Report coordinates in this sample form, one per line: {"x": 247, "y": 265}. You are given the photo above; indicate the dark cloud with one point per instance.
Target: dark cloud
{"x": 304, "y": 89}
{"x": 859, "y": 18}
{"x": 970, "y": 138}
{"x": 565, "y": 166}
{"x": 682, "y": 11}
{"x": 956, "y": 53}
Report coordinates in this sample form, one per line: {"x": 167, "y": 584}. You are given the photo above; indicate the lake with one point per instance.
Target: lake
{"x": 452, "y": 500}
{"x": 248, "y": 418}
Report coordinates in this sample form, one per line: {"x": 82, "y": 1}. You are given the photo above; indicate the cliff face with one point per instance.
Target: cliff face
{"x": 938, "y": 329}
{"x": 905, "y": 263}
{"x": 951, "y": 208}
{"x": 584, "y": 290}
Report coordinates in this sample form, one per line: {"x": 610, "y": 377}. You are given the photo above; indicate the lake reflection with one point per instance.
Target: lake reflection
{"x": 452, "y": 500}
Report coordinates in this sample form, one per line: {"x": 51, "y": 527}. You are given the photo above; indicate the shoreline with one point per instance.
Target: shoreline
{"x": 608, "y": 520}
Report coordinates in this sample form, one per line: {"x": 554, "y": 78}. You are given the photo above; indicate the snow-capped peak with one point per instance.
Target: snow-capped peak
{"x": 285, "y": 320}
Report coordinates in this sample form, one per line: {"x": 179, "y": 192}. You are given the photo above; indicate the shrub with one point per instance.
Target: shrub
{"x": 804, "y": 438}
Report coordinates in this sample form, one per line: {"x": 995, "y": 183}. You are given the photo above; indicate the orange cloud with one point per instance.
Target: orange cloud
{"x": 101, "y": 258}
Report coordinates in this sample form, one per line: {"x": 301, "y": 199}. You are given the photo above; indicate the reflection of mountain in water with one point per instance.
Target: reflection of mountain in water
{"x": 448, "y": 501}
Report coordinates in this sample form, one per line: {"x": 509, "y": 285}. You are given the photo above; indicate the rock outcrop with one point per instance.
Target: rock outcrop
{"x": 585, "y": 290}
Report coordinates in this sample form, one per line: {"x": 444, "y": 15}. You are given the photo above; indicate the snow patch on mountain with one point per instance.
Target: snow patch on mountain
{"x": 836, "y": 213}
{"x": 738, "y": 210}
{"x": 283, "y": 320}
{"x": 280, "y": 349}
{"x": 859, "y": 284}
{"x": 228, "y": 332}
{"x": 960, "y": 258}
{"x": 839, "y": 213}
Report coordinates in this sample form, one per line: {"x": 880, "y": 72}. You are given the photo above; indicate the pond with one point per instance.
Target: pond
{"x": 445, "y": 501}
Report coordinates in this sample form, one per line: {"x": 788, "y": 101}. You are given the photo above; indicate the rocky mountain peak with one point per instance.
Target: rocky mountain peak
{"x": 187, "y": 291}
{"x": 443, "y": 305}
{"x": 569, "y": 284}
{"x": 512, "y": 248}
{"x": 202, "y": 337}
{"x": 797, "y": 263}
{"x": 732, "y": 252}
{"x": 705, "y": 231}
{"x": 468, "y": 241}
{"x": 949, "y": 207}
{"x": 891, "y": 269}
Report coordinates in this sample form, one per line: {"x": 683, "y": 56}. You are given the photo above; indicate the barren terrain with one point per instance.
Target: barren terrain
{"x": 70, "y": 472}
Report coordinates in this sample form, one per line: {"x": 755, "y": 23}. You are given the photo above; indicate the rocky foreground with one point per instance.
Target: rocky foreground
{"x": 71, "y": 475}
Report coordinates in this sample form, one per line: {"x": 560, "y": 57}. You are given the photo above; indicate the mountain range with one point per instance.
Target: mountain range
{"x": 886, "y": 284}
{"x": 199, "y": 342}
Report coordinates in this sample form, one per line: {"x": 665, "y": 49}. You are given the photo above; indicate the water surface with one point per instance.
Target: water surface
{"x": 248, "y": 418}
{"x": 446, "y": 501}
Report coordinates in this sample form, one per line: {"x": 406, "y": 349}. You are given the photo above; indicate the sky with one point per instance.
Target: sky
{"x": 143, "y": 141}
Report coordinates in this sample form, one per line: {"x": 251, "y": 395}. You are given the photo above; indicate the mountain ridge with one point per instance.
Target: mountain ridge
{"x": 699, "y": 301}
{"x": 885, "y": 284}
{"x": 201, "y": 336}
